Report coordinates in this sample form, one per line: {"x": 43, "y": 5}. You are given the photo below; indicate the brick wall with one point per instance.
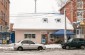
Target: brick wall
{"x": 71, "y": 12}
{"x": 4, "y": 14}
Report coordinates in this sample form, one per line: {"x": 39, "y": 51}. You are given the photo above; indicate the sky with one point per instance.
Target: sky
{"x": 28, "y": 6}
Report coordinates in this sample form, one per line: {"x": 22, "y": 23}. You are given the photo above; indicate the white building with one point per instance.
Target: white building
{"x": 39, "y": 27}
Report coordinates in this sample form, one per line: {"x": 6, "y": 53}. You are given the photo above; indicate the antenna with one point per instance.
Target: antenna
{"x": 35, "y": 5}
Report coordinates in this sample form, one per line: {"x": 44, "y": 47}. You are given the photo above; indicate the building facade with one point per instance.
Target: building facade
{"x": 4, "y": 15}
{"x": 40, "y": 27}
{"x": 4, "y": 21}
{"x": 75, "y": 11}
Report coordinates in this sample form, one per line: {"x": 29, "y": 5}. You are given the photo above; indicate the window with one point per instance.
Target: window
{"x": 79, "y": 4}
{"x": 45, "y": 20}
{"x": 58, "y": 20}
{"x": 51, "y": 36}
{"x": 0, "y": 28}
{"x": 29, "y": 35}
{"x": 4, "y": 16}
{"x": 1, "y": 16}
{"x": 30, "y": 42}
{"x": 78, "y": 31}
{"x": 24, "y": 42}
{"x": 75, "y": 40}
{"x": 33, "y": 35}
{"x": 6, "y": 5}
{"x": 80, "y": 15}
{"x": 81, "y": 40}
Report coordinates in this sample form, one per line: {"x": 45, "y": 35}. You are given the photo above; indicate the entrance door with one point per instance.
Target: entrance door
{"x": 78, "y": 34}
{"x": 43, "y": 39}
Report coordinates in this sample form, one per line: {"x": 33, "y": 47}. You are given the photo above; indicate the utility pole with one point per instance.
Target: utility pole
{"x": 65, "y": 37}
{"x": 35, "y": 5}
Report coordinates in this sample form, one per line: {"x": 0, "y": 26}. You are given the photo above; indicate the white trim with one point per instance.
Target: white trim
{"x": 29, "y": 33}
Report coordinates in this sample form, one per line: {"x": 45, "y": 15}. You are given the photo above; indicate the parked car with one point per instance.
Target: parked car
{"x": 28, "y": 44}
{"x": 74, "y": 42}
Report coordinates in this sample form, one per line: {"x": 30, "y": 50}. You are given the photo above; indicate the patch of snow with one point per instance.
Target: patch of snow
{"x": 53, "y": 46}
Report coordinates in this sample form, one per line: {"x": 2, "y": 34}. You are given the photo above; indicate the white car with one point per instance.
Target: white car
{"x": 28, "y": 44}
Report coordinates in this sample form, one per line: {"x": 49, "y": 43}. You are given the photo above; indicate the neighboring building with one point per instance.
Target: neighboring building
{"x": 4, "y": 15}
{"x": 75, "y": 12}
{"x": 39, "y": 27}
{"x": 4, "y": 21}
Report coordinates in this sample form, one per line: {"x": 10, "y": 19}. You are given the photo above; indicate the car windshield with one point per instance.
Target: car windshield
{"x": 70, "y": 40}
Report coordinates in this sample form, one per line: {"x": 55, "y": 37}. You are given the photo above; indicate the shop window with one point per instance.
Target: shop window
{"x": 29, "y": 36}
{"x": 33, "y": 35}
{"x": 51, "y": 36}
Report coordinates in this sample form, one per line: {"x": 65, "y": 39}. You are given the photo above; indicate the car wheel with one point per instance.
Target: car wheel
{"x": 63, "y": 47}
{"x": 40, "y": 48}
{"x": 67, "y": 47}
{"x": 82, "y": 47}
{"x": 20, "y": 49}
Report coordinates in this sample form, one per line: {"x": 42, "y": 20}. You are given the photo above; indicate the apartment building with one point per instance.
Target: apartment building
{"x": 4, "y": 15}
{"x": 75, "y": 11}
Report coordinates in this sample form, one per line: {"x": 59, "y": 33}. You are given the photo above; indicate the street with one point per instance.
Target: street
{"x": 44, "y": 52}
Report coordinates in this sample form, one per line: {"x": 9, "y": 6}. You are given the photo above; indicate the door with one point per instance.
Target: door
{"x": 32, "y": 45}
{"x": 78, "y": 33}
{"x": 74, "y": 43}
{"x": 25, "y": 44}
{"x": 43, "y": 39}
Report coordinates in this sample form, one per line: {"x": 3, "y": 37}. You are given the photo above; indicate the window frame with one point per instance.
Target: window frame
{"x": 45, "y": 20}
{"x": 31, "y": 36}
{"x": 23, "y": 42}
{"x": 80, "y": 3}
{"x": 58, "y": 20}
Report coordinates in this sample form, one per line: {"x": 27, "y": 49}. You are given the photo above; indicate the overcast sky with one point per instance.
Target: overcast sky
{"x": 27, "y": 6}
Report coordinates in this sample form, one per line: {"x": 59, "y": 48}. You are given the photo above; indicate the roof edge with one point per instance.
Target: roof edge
{"x": 65, "y": 5}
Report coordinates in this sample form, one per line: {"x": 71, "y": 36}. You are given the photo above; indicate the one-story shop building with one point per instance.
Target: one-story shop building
{"x": 40, "y": 27}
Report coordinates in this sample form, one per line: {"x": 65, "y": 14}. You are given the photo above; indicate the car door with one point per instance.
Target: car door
{"x": 74, "y": 43}
{"x": 32, "y": 45}
{"x": 81, "y": 42}
{"x": 25, "y": 44}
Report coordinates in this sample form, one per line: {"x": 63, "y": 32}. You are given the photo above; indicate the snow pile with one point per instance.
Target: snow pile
{"x": 53, "y": 46}
{"x": 10, "y": 46}
{"x": 6, "y": 47}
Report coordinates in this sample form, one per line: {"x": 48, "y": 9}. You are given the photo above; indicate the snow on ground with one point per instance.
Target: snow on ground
{"x": 10, "y": 46}
{"x": 53, "y": 46}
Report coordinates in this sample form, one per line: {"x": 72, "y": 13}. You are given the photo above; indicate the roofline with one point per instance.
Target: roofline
{"x": 40, "y": 29}
{"x": 65, "y": 5}
{"x": 40, "y": 13}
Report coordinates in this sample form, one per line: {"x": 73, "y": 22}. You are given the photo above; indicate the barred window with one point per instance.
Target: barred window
{"x": 29, "y": 36}
{"x": 58, "y": 20}
{"x": 45, "y": 20}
